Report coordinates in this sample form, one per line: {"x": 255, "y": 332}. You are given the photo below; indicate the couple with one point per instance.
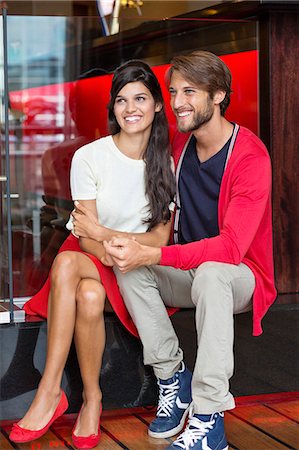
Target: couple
{"x": 220, "y": 261}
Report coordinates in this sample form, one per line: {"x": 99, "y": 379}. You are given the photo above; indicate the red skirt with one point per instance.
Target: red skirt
{"x": 38, "y": 304}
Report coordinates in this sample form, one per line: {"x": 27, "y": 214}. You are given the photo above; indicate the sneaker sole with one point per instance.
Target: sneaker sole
{"x": 173, "y": 431}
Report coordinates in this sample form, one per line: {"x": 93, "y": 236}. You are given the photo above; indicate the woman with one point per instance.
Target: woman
{"x": 123, "y": 184}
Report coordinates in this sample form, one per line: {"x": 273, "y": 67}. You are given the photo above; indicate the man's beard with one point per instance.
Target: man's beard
{"x": 199, "y": 120}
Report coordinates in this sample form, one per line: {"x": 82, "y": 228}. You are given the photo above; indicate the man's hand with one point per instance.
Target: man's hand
{"x": 107, "y": 260}
{"x": 128, "y": 254}
{"x": 86, "y": 223}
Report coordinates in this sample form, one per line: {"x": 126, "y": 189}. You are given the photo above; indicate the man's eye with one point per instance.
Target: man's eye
{"x": 189, "y": 91}
{"x": 172, "y": 93}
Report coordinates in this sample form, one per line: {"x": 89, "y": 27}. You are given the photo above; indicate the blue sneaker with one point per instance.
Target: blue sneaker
{"x": 203, "y": 432}
{"x": 174, "y": 402}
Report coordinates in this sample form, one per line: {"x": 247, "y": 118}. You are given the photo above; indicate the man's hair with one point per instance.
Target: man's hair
{"x": 206, "y": 70}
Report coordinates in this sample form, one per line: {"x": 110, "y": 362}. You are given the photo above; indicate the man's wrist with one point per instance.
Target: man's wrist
{"x": 153, "y": 256}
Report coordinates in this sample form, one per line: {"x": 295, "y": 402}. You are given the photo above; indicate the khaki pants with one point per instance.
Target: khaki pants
{"x": 217, "y": 291}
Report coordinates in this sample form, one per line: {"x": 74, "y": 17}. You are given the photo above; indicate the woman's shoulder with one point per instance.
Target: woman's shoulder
{"x": 96, "y": 148}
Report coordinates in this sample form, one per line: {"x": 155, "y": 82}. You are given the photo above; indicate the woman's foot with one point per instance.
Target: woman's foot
{"x": 86, "y": 432}
{"x": 22, "y": 434}
{"x": 41, "y": 410}
{"x": 87, "y": 422}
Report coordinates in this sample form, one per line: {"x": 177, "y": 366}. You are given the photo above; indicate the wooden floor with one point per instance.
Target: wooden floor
{"x": 266, "y": 422}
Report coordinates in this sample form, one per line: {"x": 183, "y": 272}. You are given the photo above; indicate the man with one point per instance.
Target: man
{"x": 221, "y": 261}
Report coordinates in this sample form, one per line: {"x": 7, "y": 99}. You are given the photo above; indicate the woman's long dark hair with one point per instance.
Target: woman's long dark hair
{"x": 159, "y": 179}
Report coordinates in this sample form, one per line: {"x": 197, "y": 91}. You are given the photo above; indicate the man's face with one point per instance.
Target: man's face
{"x": 191, "y": 105}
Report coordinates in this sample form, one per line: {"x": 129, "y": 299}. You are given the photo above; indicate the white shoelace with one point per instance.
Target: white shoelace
{"x": 167, "y": 396}
{"x": 195, "y": 430}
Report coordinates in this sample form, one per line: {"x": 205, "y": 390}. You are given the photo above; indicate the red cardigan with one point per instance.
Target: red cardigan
{"x": 245, "y": 221}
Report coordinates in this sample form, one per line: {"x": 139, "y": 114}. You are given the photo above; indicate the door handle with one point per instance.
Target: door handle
{"x": 12, "y": 195}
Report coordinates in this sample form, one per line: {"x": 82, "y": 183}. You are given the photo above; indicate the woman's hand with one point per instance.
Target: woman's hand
{"x": 85, "y": 222}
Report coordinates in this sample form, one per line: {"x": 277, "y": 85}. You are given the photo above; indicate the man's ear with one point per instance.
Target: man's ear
{"x": 158, "y": 107}
{"x": 219, "y": 96}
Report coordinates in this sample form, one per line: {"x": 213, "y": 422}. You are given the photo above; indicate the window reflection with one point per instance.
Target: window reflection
{"x": 36, "y": 50}
{"x": 60, "y": 71}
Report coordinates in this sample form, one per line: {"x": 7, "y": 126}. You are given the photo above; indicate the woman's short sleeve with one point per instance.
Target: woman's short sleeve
{"x": 83, "y": 176}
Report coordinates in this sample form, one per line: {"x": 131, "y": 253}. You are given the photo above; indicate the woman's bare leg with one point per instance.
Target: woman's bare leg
{"x": 68, "y": 269}
{"x": 90, "y": 342}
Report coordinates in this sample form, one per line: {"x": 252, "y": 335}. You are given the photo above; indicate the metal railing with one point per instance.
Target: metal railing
{"x": 6, "y": 178}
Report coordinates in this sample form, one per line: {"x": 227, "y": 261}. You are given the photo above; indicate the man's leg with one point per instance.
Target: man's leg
{"x": 218, "y": 291}
{"x": 145, "y": 292}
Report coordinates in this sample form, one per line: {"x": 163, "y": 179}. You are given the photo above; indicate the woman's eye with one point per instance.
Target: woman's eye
{"x": 140, "y": 99}
{"x": 120, "y": 100}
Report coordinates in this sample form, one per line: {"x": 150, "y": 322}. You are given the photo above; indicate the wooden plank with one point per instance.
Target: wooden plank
{"x": 282, "y": 107}
{"x": 290, "y": 409}
{"x": 272, "y": 422}
{"x": 4, "y": 443}
{"x": 149, "y": 416}
{"x": 64, "y": 429}
{"x": 245, "y": 437}
{"x": 46, "y": 442}
{"x": 132, "y": 432}
{"x": 267, "y": 399}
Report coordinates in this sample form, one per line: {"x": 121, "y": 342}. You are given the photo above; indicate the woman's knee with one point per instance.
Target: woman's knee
{"x": 90, "y": 298}
{"x": 63, "y": 264}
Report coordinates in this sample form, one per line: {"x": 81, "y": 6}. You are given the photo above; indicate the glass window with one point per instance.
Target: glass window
{"x": 3, "y": 223}
{"x": 60, "y": 70}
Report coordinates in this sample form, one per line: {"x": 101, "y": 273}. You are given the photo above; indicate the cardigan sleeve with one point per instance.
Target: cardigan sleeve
{"x": 250, "y": 189}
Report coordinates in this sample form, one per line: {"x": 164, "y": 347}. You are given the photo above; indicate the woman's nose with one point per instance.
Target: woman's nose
{"x": 130, "y": 106}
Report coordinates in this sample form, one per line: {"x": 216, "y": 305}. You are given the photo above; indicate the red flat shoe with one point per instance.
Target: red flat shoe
{"x": 86, "y": 442}
{"x": 19, "y": 434}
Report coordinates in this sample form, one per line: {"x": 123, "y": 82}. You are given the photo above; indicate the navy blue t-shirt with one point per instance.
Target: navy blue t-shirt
{"x": 199, "y": 186}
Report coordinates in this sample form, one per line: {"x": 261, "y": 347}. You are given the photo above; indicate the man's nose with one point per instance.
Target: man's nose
{"x": 177, "y": 101}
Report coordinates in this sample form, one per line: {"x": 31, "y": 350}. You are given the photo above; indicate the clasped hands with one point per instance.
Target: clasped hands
{"x": 124, "y": 252}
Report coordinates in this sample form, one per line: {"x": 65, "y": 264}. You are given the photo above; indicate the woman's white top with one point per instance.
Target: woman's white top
{"x": 102, "y": 172}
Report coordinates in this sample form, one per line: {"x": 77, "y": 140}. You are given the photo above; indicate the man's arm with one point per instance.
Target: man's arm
{"x": 249, "y": 196}
{"x": 86, "y": 226}
{"x": 251, "y": 189}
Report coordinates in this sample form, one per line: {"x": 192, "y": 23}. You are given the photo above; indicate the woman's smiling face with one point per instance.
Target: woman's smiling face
{"x": 135, "y": 108}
